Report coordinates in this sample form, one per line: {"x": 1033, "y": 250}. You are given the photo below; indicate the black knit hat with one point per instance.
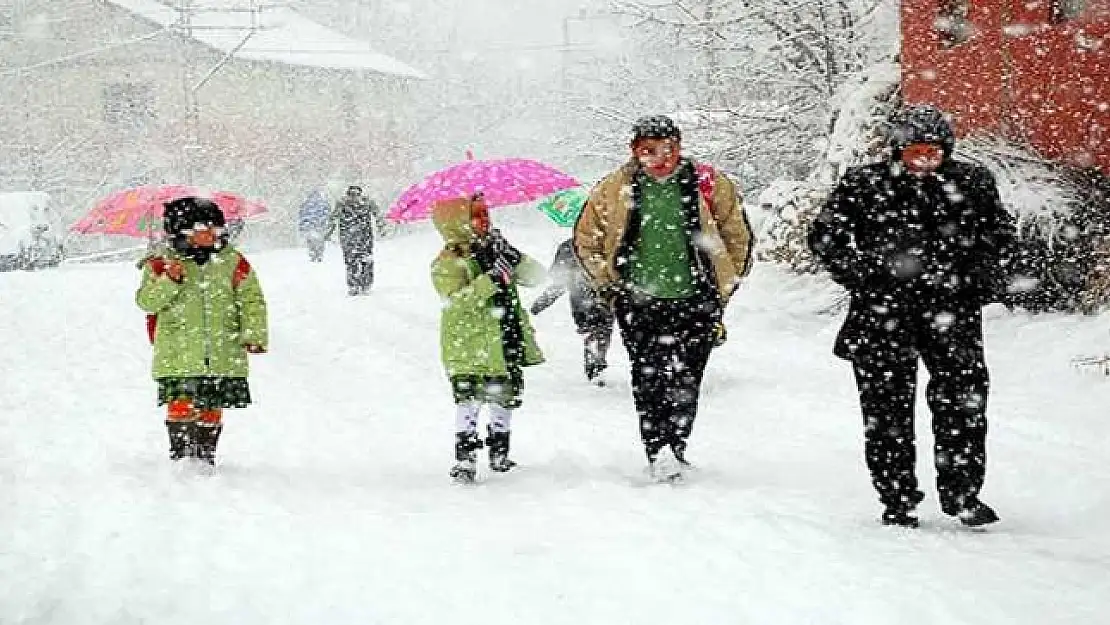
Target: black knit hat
{"x": 183, "y": 213}
{"x": 922, "y": 123}
{"x": 655, "y": 127}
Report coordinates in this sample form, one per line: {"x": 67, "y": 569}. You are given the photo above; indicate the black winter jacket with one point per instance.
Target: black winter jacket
{"x": 910, "y": 248}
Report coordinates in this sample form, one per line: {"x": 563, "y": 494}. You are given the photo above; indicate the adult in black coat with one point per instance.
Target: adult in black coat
{"x": 354, "y": 215}
{"x": 591, "y": 314}
{"x": 921, "y": 242}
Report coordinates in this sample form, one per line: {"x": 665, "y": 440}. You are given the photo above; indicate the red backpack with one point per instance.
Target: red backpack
{"x": 158, "y": 267}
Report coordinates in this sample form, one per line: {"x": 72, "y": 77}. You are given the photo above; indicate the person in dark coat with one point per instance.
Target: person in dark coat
{"x": 921, "y": 242}
{"x": 591, "y": 314}
{"x": 354, "y": 216}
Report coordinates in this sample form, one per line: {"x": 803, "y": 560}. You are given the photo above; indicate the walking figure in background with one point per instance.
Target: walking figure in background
{"x": 592, "y": 315}
{"x": 486, "y": 338}
{"x": 920, "y": 242}
{"x": 666, "y": 241}
{"x": 354, "y": 216}
{"x": 312, "y": 223}
{"x": 208, "y": 313}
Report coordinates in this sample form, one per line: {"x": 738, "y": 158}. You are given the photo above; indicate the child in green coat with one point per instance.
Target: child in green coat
{"x": 207, "y": 312}
{"x": 486, "y": 337}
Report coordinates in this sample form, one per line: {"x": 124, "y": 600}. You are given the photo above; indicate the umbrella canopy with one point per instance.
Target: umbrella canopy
{"x": 137, "y": 212}
{"x": 502, "y": 182}
{"x": 565, "y": 206}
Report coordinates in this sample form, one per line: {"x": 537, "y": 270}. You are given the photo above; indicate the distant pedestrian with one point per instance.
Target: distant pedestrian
{"x": 354, "y": 216}
{"x": 312, "y": 223}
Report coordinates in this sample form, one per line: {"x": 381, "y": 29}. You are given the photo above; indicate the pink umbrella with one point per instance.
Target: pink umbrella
{"x": 503, "y": 182}
{"x": 137, "y": 212}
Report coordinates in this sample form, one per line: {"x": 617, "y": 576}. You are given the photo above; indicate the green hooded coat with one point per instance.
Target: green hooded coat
{"x": 470, "y": 330}
{"x": 206, "y": 320}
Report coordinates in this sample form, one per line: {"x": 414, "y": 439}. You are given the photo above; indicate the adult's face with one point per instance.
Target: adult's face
{"x": 922, "y": 158}
{"x": 658, "y": 157}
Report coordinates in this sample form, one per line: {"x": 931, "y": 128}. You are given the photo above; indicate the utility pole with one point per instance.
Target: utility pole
{"x": 191, "y": 141}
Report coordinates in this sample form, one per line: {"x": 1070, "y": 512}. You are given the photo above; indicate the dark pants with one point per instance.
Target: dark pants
{"x": 359, "y": 258}
{"x": 957, "y": 397}
{"x": 595, "y": 347}
{"x": 668, "y": 343}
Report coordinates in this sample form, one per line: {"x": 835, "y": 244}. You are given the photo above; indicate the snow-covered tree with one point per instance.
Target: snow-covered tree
{"x": 758, "y": 76}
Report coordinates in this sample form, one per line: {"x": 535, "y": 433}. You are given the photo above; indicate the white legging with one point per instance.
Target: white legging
{"x": 466, "y": 417}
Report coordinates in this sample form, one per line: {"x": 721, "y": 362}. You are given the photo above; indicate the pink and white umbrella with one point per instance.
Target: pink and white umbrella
{"x": 503, "y": 182}
{"x": 137, "y": 212}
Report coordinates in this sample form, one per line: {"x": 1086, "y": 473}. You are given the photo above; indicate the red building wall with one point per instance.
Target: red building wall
{"x": 1020, "y": 74}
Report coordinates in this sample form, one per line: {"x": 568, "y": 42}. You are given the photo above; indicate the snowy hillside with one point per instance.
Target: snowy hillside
{"x": 332, "y": 504}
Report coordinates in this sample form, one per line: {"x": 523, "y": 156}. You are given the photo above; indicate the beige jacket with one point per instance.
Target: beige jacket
{"x": 726, "y": 234}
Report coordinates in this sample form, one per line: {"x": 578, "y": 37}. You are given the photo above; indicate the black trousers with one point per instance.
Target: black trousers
{"x": 359, "y": 259}
{"x": 957, "y": 397}
{"x": 596, "y": 340}
{"x": 668, "y": 343}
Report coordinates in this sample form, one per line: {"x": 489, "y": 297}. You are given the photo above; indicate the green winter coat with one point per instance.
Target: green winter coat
{"x": 470, "y": 331}
{"x": 205, "y": 321}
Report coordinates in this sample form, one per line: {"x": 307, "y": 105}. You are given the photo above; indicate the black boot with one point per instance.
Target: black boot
{"x": 499, "y": 451}
{"x": 900, "y": 517}
{"x": 970, "y": 511}
{"x": 466, "y": 463}
{"x": 901, "y": 512}
{"x": 182, "y": 438}
{"x": 207, "y": 437}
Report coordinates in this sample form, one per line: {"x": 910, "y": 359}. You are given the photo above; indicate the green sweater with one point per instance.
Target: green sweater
{"x": 660, "y": 258}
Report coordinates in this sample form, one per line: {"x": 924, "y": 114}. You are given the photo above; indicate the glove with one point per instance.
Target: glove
{"x": 502, "y": 271}
{"x": 504, "y": 249}
{"x": 720, "y": 334}
{"x": 609, "y": 294}
{"x": 493, "y": 263}
{"x": 254, "y": 349}
{"x": 483, "y": 252}
{"x": 175, "y": 270}
{"x": 535, "y": 309}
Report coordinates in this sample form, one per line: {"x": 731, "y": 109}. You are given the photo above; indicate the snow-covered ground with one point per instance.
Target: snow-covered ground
{"x": 332, "y": 503}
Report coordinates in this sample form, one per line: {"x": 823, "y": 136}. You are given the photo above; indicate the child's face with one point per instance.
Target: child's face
{"x": 479, "y": 217}
{"x": 203, "y": 235}
{"x": 659, "y": 157}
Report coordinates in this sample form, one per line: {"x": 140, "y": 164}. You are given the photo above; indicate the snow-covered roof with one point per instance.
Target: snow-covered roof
{"x": 284, "y": 36}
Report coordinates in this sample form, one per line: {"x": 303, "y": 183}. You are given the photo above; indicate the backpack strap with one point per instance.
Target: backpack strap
{"x": 157, "y": 265}
{"x": 242, "y": 270}
{"x": 707, "y": 181}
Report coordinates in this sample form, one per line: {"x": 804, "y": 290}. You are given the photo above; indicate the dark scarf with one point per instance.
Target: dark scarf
{"x": 507, "y": 300}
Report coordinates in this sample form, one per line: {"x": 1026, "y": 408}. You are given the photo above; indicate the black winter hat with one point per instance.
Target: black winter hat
{"x": 655, "y": 127}
{"x": 922, "y": 123}
{"x": 183, "y": 213}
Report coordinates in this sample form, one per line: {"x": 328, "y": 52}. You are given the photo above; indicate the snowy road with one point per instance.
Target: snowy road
{"x": 332, "y": 504}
